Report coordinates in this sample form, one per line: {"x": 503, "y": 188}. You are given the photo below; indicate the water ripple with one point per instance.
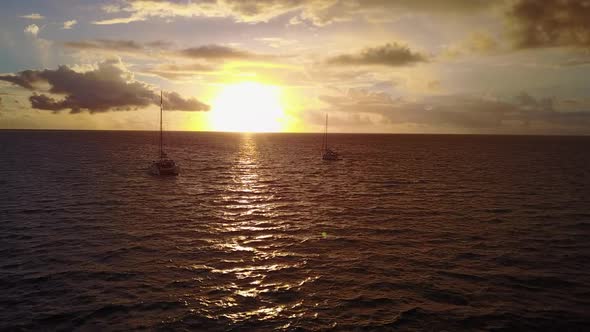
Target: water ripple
{"x": 407, "y": 232}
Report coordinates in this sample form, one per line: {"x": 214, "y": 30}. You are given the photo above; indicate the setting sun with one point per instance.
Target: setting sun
{"x": 248, "y": 107}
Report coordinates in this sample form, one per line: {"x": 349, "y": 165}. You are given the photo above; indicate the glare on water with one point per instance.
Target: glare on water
{"x": 247, "y": 208}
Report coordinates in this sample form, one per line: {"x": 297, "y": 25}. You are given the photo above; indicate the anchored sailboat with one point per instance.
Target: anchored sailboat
{"x": 327, "y": 153}
{"x": 164, "y": 165}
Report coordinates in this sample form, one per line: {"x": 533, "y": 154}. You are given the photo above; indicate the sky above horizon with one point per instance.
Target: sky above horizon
{"x": 389, "y": 66}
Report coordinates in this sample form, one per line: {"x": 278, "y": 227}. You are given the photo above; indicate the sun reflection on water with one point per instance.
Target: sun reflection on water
{"x": 255, "y": 279}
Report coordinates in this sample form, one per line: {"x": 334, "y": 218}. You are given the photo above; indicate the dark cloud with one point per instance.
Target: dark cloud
{"x": 174, "y": 101}
{"x": 529, "y": 102}
{"x": 106, "y": 44}
{"x": 24, "y": 79}
{"x": 550, "y": 23}
{"x": 121, "y": 47}
{"x": 130, "y": 47}
{"x": 44, "y": 102}
{"x": 118, "y": 45}
{"x": 394, "y": 55}
{"x": 108, "y": 87}
{"x": 471, "y": 113}
{"x": 354, "y": 122}
{"x": 215, "y": 52}
{"x": 163, "y": 44}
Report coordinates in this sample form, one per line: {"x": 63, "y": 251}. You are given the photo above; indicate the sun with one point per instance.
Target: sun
{"x": 248, "y": 107}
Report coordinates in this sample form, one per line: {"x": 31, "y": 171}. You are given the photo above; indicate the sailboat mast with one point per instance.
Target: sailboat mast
{"x": 161, "y": 147}
{"x": 326, "y": 134}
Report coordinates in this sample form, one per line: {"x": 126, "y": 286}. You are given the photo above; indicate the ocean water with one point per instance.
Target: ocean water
{"x": 405, "y": 233}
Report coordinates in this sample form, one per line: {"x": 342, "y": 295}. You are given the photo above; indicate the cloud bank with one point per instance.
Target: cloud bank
{"x": 109, "y": 87}
{"x": 465, "y": 112}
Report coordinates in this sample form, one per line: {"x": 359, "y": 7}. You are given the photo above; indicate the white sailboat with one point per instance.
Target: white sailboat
{"x": 164, "y": 165}
{"x": 327, "y": 153}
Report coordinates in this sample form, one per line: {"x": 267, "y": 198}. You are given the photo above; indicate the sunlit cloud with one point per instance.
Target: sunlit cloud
{"x": 69, "y": 24}
{"x": 34, "y": 16}
{"x": 318, "y": 12}
{"x": 32, "y": 29}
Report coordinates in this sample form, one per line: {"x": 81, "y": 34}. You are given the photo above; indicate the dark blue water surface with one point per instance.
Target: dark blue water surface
{"x": 406, "y": 232}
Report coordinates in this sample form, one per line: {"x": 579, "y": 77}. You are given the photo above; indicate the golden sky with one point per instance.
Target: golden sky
{"x": 392, "y": 66}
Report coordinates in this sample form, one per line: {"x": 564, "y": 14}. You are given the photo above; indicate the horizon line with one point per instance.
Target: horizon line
{"x": 298, "y": 132}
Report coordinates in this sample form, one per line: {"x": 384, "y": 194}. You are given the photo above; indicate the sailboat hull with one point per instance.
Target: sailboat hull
{"x": 329, "y": 155}
{"x": 164, "y": 167}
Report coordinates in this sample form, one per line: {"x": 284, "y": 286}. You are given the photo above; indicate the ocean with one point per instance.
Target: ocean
{"x": 405, "y": 233}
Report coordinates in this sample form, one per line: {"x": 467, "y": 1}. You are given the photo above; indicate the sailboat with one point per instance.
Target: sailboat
{"x": 327, "y": 153}
{"x": 164, "y": 165}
